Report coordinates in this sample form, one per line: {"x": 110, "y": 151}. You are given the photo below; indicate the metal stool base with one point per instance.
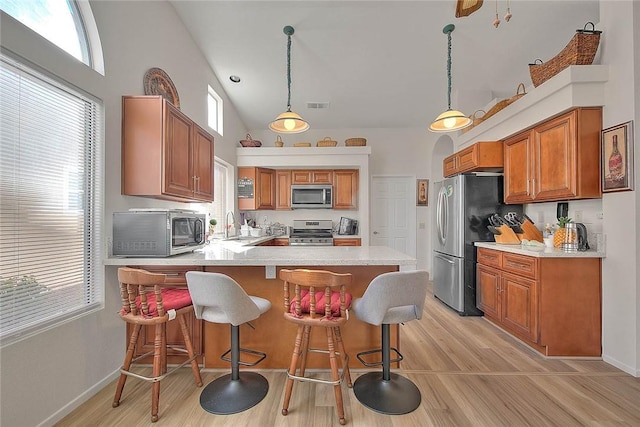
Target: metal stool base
{"x": 225, "y": 396}
{"x": 396, "y": 396}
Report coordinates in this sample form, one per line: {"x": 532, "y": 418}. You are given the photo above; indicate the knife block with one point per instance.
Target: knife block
{"x": 507, "y": 236}
{"x": 531, "y": 232}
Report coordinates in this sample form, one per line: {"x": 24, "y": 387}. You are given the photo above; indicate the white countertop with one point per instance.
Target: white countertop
{"x": 239, "y": 254}
{"x": 539, "y": 252}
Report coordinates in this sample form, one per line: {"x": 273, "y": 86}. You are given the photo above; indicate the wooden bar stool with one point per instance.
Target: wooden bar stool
{"x": 390, "y": 298}
{"x": 220, "y": 299}
{"x": 146, "y": 300}
{"x": 319, "y": 299}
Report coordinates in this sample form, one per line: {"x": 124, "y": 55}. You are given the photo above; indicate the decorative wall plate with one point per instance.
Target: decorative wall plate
{"x": 157, "y": 82}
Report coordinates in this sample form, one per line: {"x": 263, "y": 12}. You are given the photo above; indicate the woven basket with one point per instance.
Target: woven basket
{"x": 355, "y": 142}
{"x": 500, "y": 105}
{"x": 250, "y": 142}
{"x": 327, "y": 142}
{"x": 302, "y": 144}
{"x": 580, "y": 51}
{"x": 475, "y": 120}
{"x": 279, "y": 142}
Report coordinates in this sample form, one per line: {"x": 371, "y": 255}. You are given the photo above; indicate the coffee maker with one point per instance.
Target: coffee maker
{"x": 583, "y": 244}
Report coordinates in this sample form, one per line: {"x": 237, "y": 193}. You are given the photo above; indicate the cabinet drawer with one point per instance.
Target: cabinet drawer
{"x": 520, "y": 264}
{"x": 489, "y": 257}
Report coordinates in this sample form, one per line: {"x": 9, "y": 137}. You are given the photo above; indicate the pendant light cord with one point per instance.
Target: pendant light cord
{"x": 289, "y": 72}
{"x": 449, "y": 70}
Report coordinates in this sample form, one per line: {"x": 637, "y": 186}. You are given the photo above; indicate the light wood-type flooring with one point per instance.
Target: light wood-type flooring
{"x": 470, "y": 373}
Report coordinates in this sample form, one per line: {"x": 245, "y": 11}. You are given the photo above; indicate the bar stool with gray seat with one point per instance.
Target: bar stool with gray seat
{"x": 390, "y": 298}
{"x": 218, "y": 298}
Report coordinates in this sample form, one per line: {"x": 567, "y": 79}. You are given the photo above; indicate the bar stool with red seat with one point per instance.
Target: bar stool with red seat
{"x": 319, "y": 300}
{"x": 148, "y": 301}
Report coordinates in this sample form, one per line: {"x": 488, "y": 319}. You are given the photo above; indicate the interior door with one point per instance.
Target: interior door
{"x": 393, "y": 213}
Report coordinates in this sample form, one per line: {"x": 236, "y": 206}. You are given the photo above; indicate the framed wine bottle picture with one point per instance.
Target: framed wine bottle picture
{"x": 617, "y": 158}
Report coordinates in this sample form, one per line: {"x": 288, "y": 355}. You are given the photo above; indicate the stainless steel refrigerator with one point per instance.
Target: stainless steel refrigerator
{"x": 463, "y": 206}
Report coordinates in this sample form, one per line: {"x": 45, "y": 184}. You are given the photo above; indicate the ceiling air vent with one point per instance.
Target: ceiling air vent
{"x": 318, "y": 105}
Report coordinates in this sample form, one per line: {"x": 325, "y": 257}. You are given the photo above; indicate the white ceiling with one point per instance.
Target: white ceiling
{"x": 380, "y": 64}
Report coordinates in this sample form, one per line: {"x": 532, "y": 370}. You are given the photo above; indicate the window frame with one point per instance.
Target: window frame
{"x": 213, "y": 97}
{"x": 86, "y": 32}
{"x": 93, "y": 206}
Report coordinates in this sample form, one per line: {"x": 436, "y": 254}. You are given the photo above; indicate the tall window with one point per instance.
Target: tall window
{"x": 221, "y": 204}
{"x": 51, "y": 190}
{"x": 214, "y": 104}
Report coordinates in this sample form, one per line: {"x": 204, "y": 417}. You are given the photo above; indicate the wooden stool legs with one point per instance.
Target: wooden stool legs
{"x": 299, "y": 360}
{"x": 159, "y": 369}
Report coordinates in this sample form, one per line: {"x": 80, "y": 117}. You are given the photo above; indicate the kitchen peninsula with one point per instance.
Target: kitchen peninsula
{"x": 256, "y": 269}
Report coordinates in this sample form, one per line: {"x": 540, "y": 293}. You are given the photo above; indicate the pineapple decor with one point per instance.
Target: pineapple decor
{"x": 559, "y": 235}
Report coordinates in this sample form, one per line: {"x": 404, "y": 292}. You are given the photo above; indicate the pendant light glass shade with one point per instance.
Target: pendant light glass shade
{"x": 450, "y": 120}
{"x": 289, "y": 122}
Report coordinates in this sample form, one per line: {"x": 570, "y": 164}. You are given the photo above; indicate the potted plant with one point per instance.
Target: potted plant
{"x": 212, "y": 226}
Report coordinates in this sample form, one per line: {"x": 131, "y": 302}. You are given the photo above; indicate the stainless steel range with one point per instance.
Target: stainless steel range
{"x": 311, "y": 233}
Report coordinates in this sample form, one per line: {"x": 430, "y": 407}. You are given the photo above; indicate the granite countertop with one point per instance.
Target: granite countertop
{"x": 240, "y": 254}
{"x": 539, "y": 252}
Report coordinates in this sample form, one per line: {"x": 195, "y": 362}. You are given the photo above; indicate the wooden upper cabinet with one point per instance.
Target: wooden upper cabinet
{"x": 345, "y": 189}
{"x": 303, "y": 176}
{"x": 283, "y": 189}
{"x": 203, "y": 163}
{"x": 556, "y": 160}
{"x": 483, "y": 156}
{"x": 264, "y": 188}
{"x": 165, "y": 154}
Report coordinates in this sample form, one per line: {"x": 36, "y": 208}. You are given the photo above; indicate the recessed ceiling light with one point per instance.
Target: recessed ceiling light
{"x": 234, "y": 79}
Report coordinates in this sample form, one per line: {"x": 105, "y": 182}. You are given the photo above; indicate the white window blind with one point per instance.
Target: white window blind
{"x": 50, "y": 202}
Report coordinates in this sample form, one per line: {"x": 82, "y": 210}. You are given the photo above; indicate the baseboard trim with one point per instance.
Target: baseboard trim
{"x": 75, "y": 403}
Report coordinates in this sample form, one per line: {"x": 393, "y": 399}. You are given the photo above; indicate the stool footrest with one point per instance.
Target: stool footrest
{"x": 317, "y": 380}
{"x": 159, "y": 377}
{"x": 399, "y": 357}
{"x": 245, "y": 350}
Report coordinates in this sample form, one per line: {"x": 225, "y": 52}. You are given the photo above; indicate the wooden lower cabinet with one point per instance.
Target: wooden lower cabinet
{"x": 552, "y": 304}
{"x": 175, "y": 276}
{"x": 347, "y": 242}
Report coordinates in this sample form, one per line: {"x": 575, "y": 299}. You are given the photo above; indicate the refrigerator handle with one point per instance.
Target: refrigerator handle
{"x": 444, "y": 258}
{"x": 441, "y": 216}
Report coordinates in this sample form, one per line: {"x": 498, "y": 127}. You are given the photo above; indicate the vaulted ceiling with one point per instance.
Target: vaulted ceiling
{"x": 379, "y": 64}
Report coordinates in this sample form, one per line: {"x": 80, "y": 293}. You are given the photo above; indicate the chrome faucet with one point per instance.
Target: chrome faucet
{"x": 226, "y": 223}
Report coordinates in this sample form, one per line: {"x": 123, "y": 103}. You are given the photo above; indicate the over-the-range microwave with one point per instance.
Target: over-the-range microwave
{"x": 311, "y": 196}
{"x": 157, "y": 232}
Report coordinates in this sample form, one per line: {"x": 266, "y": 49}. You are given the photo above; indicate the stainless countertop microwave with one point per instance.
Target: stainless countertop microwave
{"x": 157, "y": 232}
{"x": 311, "y": 196}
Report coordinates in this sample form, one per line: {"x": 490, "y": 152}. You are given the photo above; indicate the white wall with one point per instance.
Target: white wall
{"x": 44, "y": 377}
{"x": 620, "y": 284}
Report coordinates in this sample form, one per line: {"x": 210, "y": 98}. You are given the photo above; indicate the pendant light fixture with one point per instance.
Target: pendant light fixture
{"x": 289, "y": 122}
{"x": 450, "y": 120}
